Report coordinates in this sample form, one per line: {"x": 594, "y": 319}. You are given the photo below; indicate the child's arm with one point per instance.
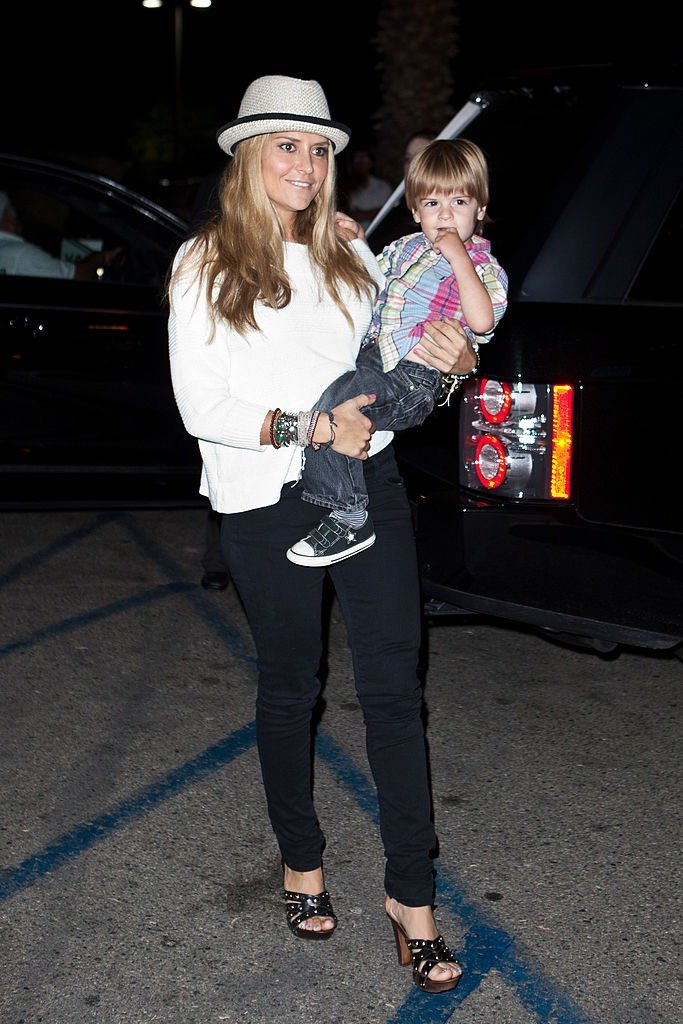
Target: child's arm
{"x": 475, "y": 301}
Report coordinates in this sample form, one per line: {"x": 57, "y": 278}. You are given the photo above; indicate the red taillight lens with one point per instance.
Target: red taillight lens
{"x": 516, "y": 439}
{"x": 495, "y": 399}
{"x": 489, "y": 461}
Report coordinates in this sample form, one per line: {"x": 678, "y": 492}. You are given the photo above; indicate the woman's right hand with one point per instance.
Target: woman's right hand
{"x": 353, "y": 430}
{"x": 347, "y": 227}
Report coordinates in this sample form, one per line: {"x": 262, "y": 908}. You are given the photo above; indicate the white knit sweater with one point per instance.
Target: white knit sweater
{"x": 224, "y": 388}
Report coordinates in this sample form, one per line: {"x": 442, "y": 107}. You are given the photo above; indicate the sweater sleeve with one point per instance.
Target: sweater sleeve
{"x": 200, "y": 372}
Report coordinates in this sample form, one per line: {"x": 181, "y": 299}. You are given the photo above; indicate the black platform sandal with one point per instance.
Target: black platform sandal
{"x": 300, "y": 907}
{"x": 424, "y": 954}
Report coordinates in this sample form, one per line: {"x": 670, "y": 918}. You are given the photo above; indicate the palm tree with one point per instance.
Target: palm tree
{"x": 416, "y": 43}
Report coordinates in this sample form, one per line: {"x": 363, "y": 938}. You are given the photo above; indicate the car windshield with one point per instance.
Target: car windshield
{"x": 68, "y": 214}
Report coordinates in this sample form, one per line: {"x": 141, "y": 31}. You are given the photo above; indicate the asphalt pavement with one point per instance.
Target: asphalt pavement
{"x": 139, "y": 879}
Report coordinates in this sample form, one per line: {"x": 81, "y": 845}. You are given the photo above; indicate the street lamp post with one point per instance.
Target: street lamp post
{"x": 178, "y": 42}
{"x": 178, "y": 61}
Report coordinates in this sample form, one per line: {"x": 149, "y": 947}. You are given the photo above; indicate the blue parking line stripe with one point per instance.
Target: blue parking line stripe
{"x": 36, "y": 557}
{"x": 486, "y": 947}
{"x": 241, "y": 646}
{"x": 96, "y": 615}
{"x": 356, "y": 782}
{"x": 81, "y": 838}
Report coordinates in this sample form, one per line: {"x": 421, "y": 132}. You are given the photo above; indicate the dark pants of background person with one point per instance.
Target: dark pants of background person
{"x": 214, "y": 557}
{"x": 378, "y": 592}
{"x": 405, "y": 397}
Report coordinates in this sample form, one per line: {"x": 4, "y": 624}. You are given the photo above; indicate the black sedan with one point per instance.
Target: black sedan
{"x": 87, "y": 414}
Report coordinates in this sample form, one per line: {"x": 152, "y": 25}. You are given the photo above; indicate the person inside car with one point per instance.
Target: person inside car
{"x": 21, "y": 257}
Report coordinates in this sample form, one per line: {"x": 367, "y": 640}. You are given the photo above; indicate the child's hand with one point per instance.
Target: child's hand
{"x": 347, "y": 227}
{"x": 447, "y": 242}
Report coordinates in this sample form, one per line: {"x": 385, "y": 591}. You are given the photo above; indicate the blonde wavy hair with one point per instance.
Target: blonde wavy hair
{"x": 239, "y": 254}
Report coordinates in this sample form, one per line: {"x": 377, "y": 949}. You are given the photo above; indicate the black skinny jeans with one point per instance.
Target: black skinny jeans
{"x": 378, "y": 592}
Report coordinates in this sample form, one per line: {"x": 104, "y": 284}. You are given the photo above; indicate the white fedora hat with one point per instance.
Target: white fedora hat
{"x": 276, "y": 103}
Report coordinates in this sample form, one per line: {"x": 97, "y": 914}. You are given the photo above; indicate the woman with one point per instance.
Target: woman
{"x": 269, "y": 303}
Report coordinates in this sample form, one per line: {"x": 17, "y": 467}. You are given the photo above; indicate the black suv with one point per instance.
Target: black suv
{"x": 548, "y": 493}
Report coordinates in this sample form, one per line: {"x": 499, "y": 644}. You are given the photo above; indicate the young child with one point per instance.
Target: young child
{"x": 444, "y": 271}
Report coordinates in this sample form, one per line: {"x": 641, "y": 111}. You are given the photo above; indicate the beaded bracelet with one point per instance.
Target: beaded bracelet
{"x": 292, "y": 428}
{"x": 286, "y": 429}
{"x": 450, "y": 382}
{"x": 322, "y": 446}
{"x": 312, "y": 424}
{"x": 271, "y": 430}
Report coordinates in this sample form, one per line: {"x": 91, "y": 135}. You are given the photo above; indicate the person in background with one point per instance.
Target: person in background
{"x": 365, "y": 194}
{"x": 398, "y": 225}
{"x": 415, "y": 144}
{"x": 445, "y": 270}
{"x": 23, "y": 258}
{"x": 269, "y": 304}
{"x": 216, "y": 575}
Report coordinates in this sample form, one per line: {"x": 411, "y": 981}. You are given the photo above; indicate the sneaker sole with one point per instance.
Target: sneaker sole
{"x": 324, "y": 560}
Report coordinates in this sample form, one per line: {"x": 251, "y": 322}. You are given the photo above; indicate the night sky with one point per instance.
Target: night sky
{"x": 77, "y": 74}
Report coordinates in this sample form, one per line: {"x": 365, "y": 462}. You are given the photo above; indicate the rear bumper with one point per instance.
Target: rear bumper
{"x": 604, "y": 586}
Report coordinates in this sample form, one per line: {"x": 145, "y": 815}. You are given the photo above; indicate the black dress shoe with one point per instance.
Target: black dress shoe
{"x": 215, "y": 580}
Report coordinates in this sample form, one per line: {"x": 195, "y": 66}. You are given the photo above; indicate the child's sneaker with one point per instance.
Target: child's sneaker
{"x": 331, "y": 541}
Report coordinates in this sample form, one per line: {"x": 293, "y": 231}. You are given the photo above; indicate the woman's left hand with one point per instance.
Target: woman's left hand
{"x": 446, "y": 347}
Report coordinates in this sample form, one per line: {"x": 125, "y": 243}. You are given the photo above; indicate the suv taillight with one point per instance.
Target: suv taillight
{"x": 516, "y": 439}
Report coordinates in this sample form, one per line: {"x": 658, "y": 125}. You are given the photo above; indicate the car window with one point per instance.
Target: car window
{"x": 657, "y": 280}
{"x": 68, "y": 218}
